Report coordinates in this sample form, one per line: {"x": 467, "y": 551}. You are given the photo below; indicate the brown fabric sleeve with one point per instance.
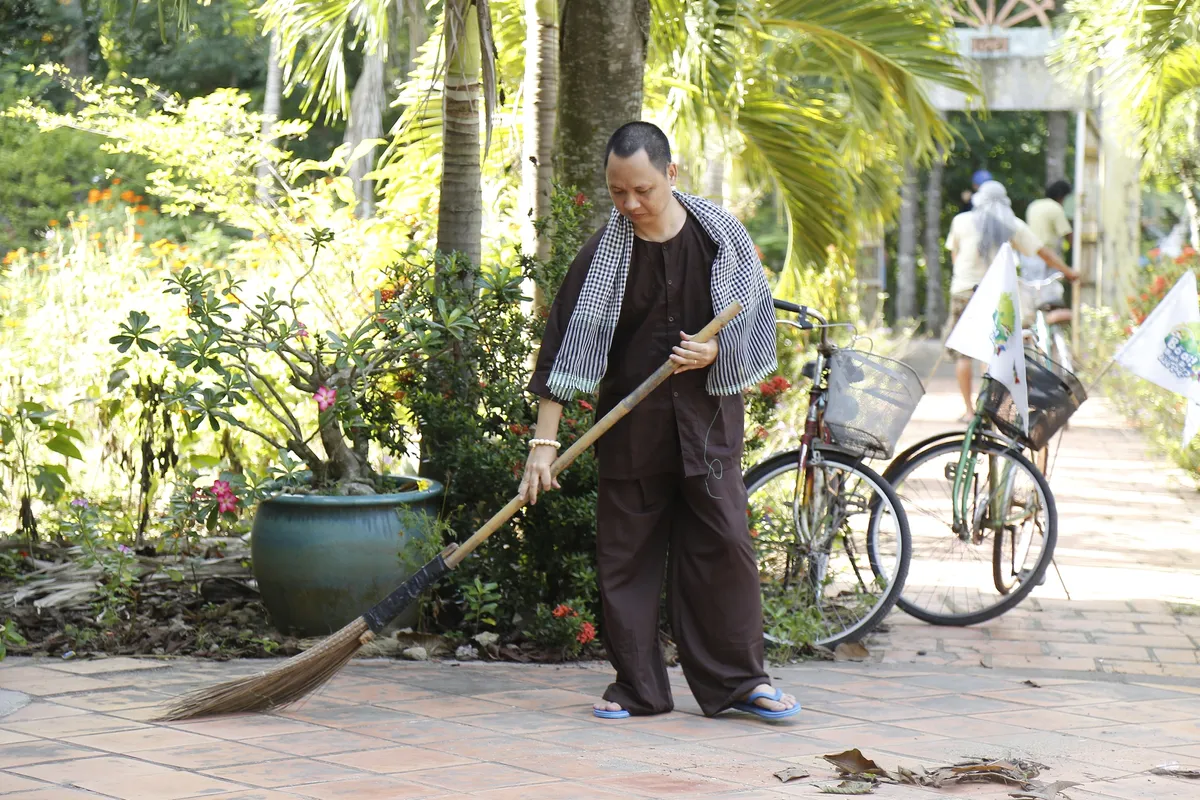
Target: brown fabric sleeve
{"x": 560, "y": 314}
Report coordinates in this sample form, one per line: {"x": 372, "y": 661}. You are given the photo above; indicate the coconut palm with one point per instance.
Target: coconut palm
{"x": 1146, "y": 57}
{"x": 821, "y": 100}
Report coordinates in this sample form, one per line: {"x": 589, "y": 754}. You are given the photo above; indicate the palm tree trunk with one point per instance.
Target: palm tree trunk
{"x": 906, "y": 248}
{"x": 1193, "y": 209}
{"x": 713, "y": 182}
{"x": 366, "y": 122}
{"x": 541, "y": 110}
{"x": 272, "y": 102}
{"x": 935, "y": 303}
{"x": 460, "y": 204}
{"x": 75, "y": 54}
{"x": 1056, "y": 146}
{"x": 603, "y": 61}
{"x": 414, "y": 17}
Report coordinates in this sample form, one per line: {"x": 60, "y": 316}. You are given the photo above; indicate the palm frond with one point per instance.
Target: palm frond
{"x": 313, "y": 38}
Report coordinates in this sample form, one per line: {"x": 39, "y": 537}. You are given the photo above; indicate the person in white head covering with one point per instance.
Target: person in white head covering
{"x": 974, "y": 239}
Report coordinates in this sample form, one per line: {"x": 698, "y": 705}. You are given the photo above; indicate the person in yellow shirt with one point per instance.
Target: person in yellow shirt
{"x": 974, "y": 240}
{"x": 1048, "y": 221}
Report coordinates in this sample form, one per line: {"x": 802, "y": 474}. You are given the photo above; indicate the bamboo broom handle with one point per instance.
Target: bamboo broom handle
{"x": 595, "y": 432}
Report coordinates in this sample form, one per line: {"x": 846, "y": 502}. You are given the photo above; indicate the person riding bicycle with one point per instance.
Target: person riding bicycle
{"x": 1048, "y": 221}
{"x": 974, "y": 239}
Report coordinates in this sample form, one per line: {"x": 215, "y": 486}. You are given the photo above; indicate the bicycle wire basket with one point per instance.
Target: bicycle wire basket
{"x": 1054, "y": 395}
{"x": 870, "y": 401}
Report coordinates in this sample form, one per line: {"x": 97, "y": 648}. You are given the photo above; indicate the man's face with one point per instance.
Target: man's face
{"x": 638, "y": 190}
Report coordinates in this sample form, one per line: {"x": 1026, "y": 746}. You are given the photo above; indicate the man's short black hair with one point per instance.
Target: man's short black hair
{"x": 634, "y": 136}
{"x": 1059, "y": 190}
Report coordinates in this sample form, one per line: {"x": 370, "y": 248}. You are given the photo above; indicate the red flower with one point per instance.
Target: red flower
{"x": 386, "y": 295}
{"x": 754, "y": 533}
{"x": 760, "y": 432}
{"x": 580, "y": 199}
{"x": 774, "y": 386}
{"x": 1160, "y": 283}
{"x": 586, "y": 406}
{"x": 563, "y": 610}
{"x": 519, "y": 430}
{"x": 1128, "y": 330}
{"x": 587, "y": 632}
{"x": 399, "y": 394}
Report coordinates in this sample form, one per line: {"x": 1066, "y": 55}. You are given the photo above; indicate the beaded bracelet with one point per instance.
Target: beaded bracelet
{"x": 547, "y": 442}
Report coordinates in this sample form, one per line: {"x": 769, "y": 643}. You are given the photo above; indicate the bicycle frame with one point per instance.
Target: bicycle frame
{"x": 999, "y": 485}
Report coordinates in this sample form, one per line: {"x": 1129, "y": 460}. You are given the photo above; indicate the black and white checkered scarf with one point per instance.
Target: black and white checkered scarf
{"x": 747, "y": 344}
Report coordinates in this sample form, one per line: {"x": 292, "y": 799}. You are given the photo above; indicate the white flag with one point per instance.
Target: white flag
{"x": 989, "y": 330}
{"x": 1166, "y": 349}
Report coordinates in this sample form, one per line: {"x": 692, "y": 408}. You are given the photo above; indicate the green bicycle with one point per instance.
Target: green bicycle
{"x": 983, "y": 520}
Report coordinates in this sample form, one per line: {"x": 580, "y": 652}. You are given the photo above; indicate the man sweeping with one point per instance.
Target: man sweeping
{"x": 670, "y": 495}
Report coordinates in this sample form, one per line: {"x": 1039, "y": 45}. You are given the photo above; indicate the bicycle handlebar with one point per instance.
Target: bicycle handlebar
{"x": 806, "y": 315}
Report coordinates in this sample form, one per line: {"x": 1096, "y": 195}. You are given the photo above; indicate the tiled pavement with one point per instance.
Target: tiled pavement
{"x": 1101, "y": 688}
{"x": 406, "y": 730}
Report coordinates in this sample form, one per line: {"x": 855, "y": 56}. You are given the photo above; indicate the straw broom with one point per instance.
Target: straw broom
{"x": 306, "y": 672}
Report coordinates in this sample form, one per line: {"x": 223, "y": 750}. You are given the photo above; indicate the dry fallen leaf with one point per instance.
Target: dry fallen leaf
{"x": 853, "y": 762}
{"x": 1032, "y": 684}
{"x": 1176, "y": 771}
{"x": 1042, "y": 791}
{"x": 851, "y": 651}
{"x": 791, "y": 774}
{"x": 850, "y": 787}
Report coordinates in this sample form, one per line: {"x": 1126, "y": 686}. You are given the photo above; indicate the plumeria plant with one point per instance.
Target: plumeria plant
{"x": 237, "y": 352}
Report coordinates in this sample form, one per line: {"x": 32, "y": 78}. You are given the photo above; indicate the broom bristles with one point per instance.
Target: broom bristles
{"x": 290, "y": 681}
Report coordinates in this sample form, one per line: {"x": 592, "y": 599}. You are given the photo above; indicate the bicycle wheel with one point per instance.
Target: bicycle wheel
{"x": 832, "y": 545}
{"x": 1002, "y": 549}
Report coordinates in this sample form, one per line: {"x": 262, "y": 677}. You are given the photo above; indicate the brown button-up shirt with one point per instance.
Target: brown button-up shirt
{"x": 679, "y": 428}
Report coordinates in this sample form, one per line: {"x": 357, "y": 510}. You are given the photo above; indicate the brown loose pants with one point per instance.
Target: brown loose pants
{"x": 697, "y": 526}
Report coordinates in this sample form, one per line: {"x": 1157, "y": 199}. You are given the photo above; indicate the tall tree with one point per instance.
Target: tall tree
{"x": 541, "y": 110}
{"x": 818, "y": 99}
{"x": 364, "y": 125}
{"x": 603, "y": 63}
{"x": 460, "y": 204}
{"x": 935, "y": 302}
{"x": 272, "y": 101}
{"x": 76, "y": 54}
{"x": 1056, "y": 145}
{"x": 540, "y": 114}
{"x": 1146, "y": 55}
{"x": 906, "y": 247}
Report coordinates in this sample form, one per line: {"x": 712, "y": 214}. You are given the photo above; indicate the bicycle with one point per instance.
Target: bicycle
{"x": 831, "y": 537}
{"x": 984, "y": 521}
{"x": 1049, "y": 341}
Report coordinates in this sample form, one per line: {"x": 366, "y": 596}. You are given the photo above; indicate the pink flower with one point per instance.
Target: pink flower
{"x": 325, "y": 397}
{"x": 221, "y": 489}
{"x": 227, "y": 503}
{"x": 301, "y": 331}
{"x": 124, "y": 549}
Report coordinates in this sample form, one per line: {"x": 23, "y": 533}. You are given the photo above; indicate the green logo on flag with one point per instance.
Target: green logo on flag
{"x": 1004, "y": 322}
{"x": 1181, "y": 351}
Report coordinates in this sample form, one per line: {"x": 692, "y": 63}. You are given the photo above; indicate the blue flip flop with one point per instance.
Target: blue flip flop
{"x": 602, "y": 714}
{"x": 749, "y": 706}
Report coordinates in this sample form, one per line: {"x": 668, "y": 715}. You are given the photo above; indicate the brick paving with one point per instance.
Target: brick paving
{"x": 1101, "y": 688}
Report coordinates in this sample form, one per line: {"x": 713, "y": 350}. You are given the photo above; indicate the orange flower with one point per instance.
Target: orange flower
{"x": 127, "y": 196}
{"x": 53, "y": 223}
{"x": 116, "y": 181}
{"x": 137, "y": 237}
{"x": 143, "y": 207}
{"x": 106, "y": 194}
{"x": 137, "y": 198}
{"x": 563, "y": 610}
{"x": 587, "y": 632}
{"x": 93, "y": 195}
